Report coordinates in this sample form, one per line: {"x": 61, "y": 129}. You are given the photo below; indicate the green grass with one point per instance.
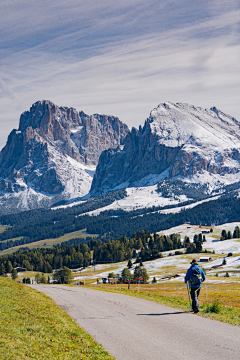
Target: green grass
{"x": 3, "y": 228}
{"x": 13, "y": 239}
{"x": 48, "y": 242}
{"x": 32, "y": 326}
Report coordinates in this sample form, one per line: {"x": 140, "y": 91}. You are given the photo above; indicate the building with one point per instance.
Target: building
{"x": 19, "y": 268}
{"x": 204, "y": 259}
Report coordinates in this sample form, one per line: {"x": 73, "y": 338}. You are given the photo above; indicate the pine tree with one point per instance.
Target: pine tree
{"x": 2, "y": 269}
{"x": 14, "y": 274}
{"x": 126, "y": 274}
{"x": 8, "y": 267}
{"x": 223, "y": 235}
{"x": 236, "y": 233}
{"x": 129, "y": 265}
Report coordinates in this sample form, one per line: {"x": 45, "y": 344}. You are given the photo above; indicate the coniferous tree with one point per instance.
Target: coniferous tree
{"x": 126, "y": 274}
{"x": 14, "y": 274}
{"x": 8, "y": 267}
{"x": 236, "y": 233}
{"x": 140, "y": 272}
{"x": 2, "y": 269}
{"x": 129, "y": 265}
{"x": 223, "y": 235}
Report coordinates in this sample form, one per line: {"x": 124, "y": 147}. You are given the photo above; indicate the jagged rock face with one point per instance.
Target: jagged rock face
{"x": 53, "y": 154}
{"x": 177, "y": 141}
{"x": 76, "y": 134}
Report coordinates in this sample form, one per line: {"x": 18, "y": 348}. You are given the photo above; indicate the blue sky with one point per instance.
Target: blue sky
{"x": 118, "y": 57}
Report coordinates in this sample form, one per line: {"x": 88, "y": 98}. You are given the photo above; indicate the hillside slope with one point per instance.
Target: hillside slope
{"x": 33, "y": 326}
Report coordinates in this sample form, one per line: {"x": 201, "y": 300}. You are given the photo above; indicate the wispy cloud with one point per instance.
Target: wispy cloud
{"x": 122, "y": 59}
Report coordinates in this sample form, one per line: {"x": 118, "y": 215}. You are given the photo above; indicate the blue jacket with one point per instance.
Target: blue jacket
{"x": 189, "y": 275}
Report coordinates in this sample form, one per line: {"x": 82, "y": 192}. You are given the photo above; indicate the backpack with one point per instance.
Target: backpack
{"x": 196, "y": 277}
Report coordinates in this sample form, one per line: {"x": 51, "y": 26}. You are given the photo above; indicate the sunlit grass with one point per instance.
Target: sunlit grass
{"x": 32, "y": 326}
{"x": 48, "y": 242}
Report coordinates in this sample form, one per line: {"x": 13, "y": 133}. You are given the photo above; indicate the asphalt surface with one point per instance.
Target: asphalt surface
{"x": 130, "y": 328}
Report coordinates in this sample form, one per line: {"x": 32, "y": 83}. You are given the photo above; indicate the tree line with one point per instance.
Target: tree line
{"x": 45, "y": 260}
{"x": 226, "y": 235}
{"x": 140, "y": 246}
{"x": 37, "y": 225}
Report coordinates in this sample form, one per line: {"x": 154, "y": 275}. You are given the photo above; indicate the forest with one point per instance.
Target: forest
{"x": 141, "y": 246}
{"x": 42, "y": 224}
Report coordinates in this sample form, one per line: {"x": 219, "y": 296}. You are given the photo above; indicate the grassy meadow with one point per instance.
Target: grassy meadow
{"x": 2, "y": 228}
{"x": 32, "y": 326}
{"x": 48, "y": 242}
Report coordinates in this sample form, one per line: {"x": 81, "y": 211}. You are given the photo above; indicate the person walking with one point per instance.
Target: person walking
{"x": 195, "y": 276}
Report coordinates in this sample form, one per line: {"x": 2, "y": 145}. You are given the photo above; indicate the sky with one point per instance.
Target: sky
{"x": 121, "y": 57}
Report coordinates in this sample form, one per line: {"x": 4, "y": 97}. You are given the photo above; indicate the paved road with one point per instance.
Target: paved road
{"x": 130, "y": 328}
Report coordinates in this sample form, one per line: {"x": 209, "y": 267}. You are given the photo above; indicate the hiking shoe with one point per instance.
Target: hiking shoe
{"x": 196, "y": 311}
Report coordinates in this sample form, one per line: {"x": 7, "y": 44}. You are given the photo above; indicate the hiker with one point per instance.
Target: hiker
{"x": 195, "y": 276}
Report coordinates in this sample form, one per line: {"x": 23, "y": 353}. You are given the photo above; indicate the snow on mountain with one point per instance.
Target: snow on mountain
{"x": 140, "y": 198}
{"x": 53, "y": 155}
{"x": 181, "y": 153}
{"x": 186, "y": 125}
{"x": 180, "y": 146}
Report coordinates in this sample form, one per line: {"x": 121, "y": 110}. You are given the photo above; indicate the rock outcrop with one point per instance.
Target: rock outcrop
{"x": 53, "y": 155}
{"x": 177, "y": 141}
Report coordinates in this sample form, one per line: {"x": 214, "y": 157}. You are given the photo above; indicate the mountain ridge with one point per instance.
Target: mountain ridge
{"x": 177, "y": 141}
{"x": 53, "y": 154}
{"x": 185, "y": 151}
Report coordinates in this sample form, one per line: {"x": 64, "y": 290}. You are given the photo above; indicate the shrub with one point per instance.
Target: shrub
{"x": 213, "y": 308}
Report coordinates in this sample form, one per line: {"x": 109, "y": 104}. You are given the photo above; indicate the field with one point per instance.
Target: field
{"x": 32, "y": 326}
{"x": 2, "y": 228}
{"x": 49, "y": 242}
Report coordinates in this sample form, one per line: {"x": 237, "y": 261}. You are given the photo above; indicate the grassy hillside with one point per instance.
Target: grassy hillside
{"x": 2, "y": 228}
{"x": 49, "y": 242}
{"x": 32, "y": 326}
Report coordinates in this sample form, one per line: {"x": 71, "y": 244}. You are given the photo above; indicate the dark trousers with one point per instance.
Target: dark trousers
{"x": 194, "y": 297}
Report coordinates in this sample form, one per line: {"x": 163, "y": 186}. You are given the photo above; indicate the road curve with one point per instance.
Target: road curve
{"x": 130, "y": 328}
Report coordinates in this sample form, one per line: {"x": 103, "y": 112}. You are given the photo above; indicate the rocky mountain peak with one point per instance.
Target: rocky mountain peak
{"x": 54, "y": 152}
{"x": 177, "y": 140}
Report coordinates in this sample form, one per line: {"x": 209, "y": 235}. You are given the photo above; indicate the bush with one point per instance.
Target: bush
{"x": 178, "y": 252}
{"x": 213, "y": 308}
{"x": 26, "y": 281}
